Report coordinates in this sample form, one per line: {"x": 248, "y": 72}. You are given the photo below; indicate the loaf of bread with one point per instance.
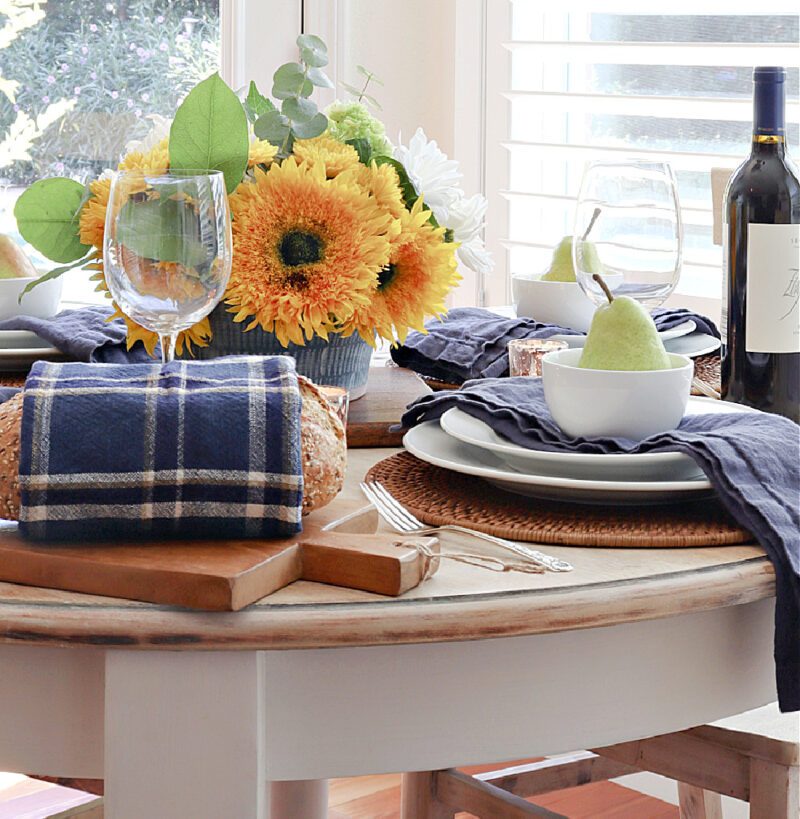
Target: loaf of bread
{"x": 322, "y": 436}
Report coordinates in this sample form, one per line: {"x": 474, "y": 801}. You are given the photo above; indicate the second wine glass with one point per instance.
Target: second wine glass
{"x": 167, "y": 248}
{"x": 628, "y": 229}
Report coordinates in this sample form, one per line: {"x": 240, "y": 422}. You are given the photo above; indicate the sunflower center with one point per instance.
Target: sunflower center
{"x": 386, "y": 276}
{"x": 299, "y": 248}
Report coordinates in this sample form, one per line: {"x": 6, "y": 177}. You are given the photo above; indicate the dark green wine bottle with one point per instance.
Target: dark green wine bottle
{"x": 761, "y": 248}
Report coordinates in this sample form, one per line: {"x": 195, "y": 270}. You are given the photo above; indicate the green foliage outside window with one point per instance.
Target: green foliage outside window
{"x": 78, "y": 80}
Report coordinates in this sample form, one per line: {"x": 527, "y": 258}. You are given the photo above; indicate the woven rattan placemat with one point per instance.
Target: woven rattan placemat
{"x": 438, "y": 496}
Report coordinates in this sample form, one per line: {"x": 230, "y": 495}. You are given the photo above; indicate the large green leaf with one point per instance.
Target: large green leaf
{"x": 210, "y": 131}
{"x": 410, "y": 194}
{"x": 363, "y": 148}
{"x": 47, "y": 217}
{"x": 164, "y": 230}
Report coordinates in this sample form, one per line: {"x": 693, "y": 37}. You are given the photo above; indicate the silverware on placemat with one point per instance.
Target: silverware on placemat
{"x": 400, "y": 519}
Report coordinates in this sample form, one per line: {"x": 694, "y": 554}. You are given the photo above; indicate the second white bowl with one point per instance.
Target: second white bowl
{"x": 562, "y": 303}
{"x": 631, "y": 404}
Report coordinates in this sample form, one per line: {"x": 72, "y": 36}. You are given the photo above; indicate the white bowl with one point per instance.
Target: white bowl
{"x": 41, "y": 302}
{"x": 630, "y": 404}
{"x": 562, "y": 303}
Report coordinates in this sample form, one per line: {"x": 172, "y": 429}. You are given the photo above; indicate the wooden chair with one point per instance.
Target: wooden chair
{"x": 754, "y": 756}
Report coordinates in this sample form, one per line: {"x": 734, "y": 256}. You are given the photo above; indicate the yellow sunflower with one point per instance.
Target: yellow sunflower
{"x": 261, "y": 153}
{"x": 334, "y": 155}
{"x": 383, "y": 183}
{"x": 307, "y": 250}
{"x": 420, "y": 273}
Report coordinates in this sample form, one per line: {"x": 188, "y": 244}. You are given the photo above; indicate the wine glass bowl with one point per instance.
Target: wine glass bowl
{"x": 167, "y": 248}
{"x": 628, "y": 229}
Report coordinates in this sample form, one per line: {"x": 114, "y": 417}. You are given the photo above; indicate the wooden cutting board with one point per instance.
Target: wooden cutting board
{"x": 224, "y": 575}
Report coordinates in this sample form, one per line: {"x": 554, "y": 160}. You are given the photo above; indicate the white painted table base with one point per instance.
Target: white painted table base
{"x": 201, "y": 734}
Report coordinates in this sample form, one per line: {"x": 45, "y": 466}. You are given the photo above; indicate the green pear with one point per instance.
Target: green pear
{"x": 14, "y": 263}
{"x": 561, "y": 268}
{"x": 622, "y": 336}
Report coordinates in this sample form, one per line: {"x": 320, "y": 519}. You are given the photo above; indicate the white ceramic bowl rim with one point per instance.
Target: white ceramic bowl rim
{"x": 569, "y": 358}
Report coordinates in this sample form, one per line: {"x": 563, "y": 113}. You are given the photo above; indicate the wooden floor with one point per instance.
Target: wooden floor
{"x": 378, "y": 797}
{"x": 363, "y": 797}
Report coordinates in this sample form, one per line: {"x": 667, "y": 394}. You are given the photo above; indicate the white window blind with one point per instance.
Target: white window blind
{"x": 592, "y": 85}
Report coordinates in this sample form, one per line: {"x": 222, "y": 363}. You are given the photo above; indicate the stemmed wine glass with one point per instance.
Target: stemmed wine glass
{"x": 167, "y": 248}
{"x": 628, "y": 229}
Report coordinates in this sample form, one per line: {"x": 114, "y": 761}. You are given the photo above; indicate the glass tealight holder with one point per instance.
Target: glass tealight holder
{"x": 339, "y": 399}
{"x": 525, "y": 355}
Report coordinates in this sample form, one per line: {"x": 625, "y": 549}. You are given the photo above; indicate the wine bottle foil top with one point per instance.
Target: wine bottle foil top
{"x": 769, "y": 73}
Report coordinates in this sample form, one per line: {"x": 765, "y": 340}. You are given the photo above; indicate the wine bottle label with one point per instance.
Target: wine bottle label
{"x": 773, "y": 288}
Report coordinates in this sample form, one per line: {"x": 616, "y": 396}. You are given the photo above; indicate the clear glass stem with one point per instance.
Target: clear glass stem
{"x": 167, "y": 346}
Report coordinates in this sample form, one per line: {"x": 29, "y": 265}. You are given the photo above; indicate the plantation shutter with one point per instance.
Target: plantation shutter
{"x": 596, "y": 85}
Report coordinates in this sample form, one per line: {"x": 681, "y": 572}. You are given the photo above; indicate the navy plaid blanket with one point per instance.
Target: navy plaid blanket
{"x": 190, "y": 449}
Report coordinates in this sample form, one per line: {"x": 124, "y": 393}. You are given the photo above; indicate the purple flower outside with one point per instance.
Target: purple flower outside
{"x": 92, "y": 27}
{"x": 45, "y": 99}
{"x": 114, "y": 95}
{"x": 50, "y": 79}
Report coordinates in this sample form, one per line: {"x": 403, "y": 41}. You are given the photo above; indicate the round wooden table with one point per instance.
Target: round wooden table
{"x": 187, "y": 713}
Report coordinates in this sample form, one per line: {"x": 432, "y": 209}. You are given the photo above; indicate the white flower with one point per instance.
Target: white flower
{"x": 160, "y": 129}
{"x": 433, "y": 175}
{"x": 465, "y": 217}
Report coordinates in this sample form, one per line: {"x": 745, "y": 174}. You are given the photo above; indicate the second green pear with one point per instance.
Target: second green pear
{"x": 561, "y": 267}
{"x": 623, "y": 336}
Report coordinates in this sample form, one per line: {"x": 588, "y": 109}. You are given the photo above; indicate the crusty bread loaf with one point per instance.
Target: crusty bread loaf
{"x": 324, "y": 448}
{"x": 322, "y": 436}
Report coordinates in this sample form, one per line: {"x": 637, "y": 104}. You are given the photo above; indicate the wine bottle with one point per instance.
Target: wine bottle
{"x": 761, "y": 249}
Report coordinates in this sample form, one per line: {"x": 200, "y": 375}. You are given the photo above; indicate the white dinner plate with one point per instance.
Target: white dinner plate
{"x": 684, "y": 329}
{"x": 644, "y": 466}
{"x": 430, "y": 443}
{"x": 20, "y": 348}
{"x": 693, "y": 344}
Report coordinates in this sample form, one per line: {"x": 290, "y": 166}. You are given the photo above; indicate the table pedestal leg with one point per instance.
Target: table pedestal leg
{"x": 184, "y": 735}
{"x": 305, "y": 797}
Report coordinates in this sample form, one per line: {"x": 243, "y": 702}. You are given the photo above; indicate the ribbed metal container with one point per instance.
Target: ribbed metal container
{"x": 341, "y": 362}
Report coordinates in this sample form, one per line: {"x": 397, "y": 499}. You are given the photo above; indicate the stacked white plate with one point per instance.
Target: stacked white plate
{"x": 465, "y": 444}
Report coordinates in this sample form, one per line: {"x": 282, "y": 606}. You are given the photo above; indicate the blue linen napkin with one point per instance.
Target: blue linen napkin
{"x": 190, "y": 449}
{"x": 84, "y": 334}
{"x": 751, "y": 459}
{"x": 471, "y": 342}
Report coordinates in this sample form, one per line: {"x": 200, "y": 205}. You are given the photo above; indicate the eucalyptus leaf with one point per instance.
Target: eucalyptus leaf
{"x": 363, "y": 148}
{"x": 272, "y": 126}
{"x": 210, "y": 131}
{"x": 309, "y": 130}
{"x": 351, "y": 89}
{"x": 256, "y": 104}
{"x": 299, "y": 110}
{"x": 55, "y": 273}
{"x": 373, "y": 102}
{"x": 165, "y": 230}
{"x": 311, "y": 41}
{"x": 319, "y": 77}
{"x": 313, "y": 57}
{"x": 300, "y": 90}
{"x": 47, "y": 216}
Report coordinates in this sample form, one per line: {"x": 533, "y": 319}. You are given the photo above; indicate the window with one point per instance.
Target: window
{"x": 594, "y": 85}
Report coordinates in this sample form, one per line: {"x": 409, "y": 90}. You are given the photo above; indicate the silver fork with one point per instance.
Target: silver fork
{"x": 401, "y": 520}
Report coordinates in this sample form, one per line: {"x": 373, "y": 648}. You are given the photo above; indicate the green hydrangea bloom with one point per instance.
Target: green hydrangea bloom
{"x": 351, "y": 120}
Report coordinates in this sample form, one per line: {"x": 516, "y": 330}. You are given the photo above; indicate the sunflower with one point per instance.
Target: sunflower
{"x": 383, "y": 183}
{"x": 261, "y": 153}
{"x": 335, "y": 156}
{"x": 307, "y": 250}
{"x": 420, "y": 272}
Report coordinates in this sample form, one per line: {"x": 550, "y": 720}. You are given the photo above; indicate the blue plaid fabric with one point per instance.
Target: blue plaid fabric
{"x": 190, "y": 449}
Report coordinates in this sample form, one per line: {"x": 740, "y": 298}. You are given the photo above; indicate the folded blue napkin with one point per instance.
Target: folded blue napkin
{"x": 472, "y": 343}
{"x": 190, "y": 449}
{"x": 751, "y": 459}
{"x": 83, "y": 335}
